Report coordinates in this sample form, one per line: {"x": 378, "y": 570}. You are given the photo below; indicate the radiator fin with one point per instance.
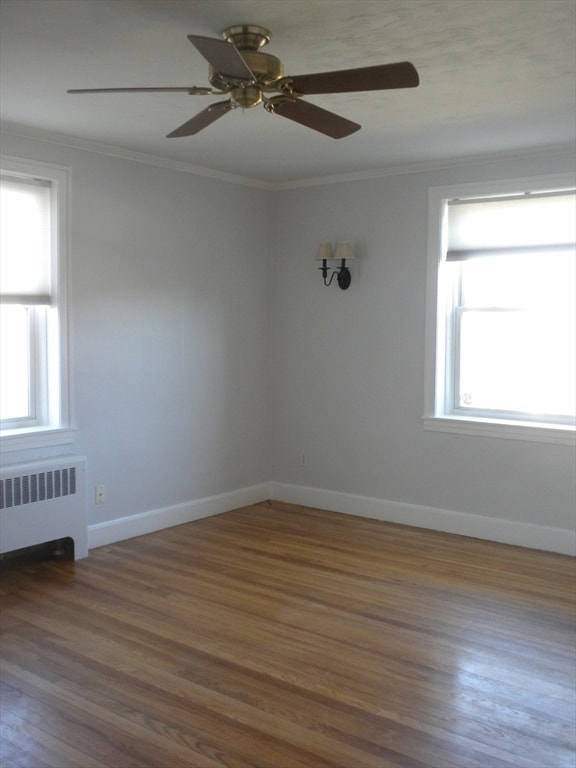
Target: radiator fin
{"x": 40, "y": 486}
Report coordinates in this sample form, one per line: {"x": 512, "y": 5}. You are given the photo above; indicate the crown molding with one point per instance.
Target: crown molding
{"x": 432, "y": 165}
{"x": 87, "y": 145}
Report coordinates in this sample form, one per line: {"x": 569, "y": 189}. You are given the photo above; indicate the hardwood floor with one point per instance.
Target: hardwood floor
{"x": 283, "y": 637}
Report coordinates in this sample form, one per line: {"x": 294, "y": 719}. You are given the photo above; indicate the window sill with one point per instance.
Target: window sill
{"x": 24, "y": 439}
{"x": 509, "y": 430}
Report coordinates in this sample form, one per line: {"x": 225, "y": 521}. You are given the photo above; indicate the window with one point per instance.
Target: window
{"x": 33, "y": 362}
{"x": 502, "y": 310}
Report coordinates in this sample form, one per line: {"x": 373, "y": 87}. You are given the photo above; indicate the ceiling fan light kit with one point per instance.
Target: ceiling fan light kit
{"x": 239, "y": 70}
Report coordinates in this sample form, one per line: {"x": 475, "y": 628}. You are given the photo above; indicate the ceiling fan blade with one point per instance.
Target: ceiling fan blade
{"x": 223, "y": 56}
{"x": 381, "y": 77}
{"x": 192, "y": 90}
{"x": 314, "y": 117}
{"x": 202, "y": 119}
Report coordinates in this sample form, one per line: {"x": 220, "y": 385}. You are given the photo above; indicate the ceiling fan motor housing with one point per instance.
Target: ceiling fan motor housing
{"x": 267, "y": 69}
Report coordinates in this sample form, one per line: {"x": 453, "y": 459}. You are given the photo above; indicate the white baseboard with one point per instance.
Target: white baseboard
{"x": 122, "y": 528}
{"x": 514, "y": 532}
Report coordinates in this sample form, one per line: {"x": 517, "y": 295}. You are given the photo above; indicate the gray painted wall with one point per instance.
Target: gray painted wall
{"x": 207, "y": 356}
{"x": 169, "y": 321}
{"x": 348, "y": 367}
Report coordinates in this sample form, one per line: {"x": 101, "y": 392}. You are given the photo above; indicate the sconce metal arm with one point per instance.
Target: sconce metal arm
{"x": 324, "y": 270}
{"x": 342, "y": 274}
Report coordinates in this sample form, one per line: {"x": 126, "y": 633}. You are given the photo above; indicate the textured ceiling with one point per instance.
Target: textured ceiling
{"x": 496, "y": 75}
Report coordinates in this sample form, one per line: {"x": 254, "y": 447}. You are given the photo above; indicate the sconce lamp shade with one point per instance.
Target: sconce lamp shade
{"x": 325, "y": 251}
{"x": 344, "y": 251}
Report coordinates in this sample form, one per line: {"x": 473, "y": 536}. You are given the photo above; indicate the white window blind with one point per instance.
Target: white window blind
{"x": 25, "y": 244}
{"x": 506, "y": 225}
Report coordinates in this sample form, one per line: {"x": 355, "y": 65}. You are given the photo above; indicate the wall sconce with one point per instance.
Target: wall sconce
{"x": 342, "y": 253}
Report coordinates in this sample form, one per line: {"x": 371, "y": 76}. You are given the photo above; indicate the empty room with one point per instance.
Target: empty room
{"x": 287, "y": 383}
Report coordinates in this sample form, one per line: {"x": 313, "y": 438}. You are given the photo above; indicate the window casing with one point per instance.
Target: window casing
{"x": 34, "y": 390}
{"x": 500, "y": 310}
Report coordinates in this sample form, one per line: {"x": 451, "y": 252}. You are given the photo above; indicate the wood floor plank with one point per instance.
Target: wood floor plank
{"x": 278, "y": 636}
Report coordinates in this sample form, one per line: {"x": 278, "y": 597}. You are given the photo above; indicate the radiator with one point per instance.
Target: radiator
{"x": 44, "y": 501}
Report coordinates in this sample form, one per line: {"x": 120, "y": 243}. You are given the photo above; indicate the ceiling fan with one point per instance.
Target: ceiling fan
{"x": 239, "y": 70}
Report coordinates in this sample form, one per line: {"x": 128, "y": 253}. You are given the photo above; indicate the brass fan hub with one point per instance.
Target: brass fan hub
{"x": 267, "y": 70}
{"x": 246, "y": 96}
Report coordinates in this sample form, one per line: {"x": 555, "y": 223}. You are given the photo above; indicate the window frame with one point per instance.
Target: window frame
{"x": 51, "y": 424}
{"x": 439, "y": 333}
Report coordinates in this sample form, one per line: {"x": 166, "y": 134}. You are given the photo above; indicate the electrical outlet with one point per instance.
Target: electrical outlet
{"x": 99, "y": 494}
